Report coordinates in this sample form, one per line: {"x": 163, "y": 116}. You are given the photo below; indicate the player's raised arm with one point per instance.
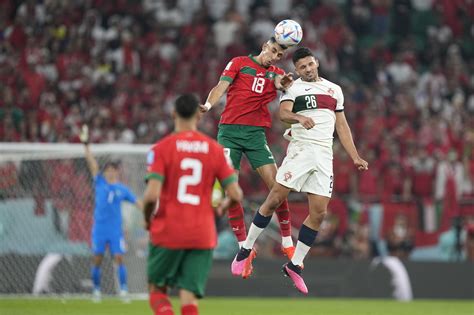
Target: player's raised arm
{"x": 150, "y": 199}
{"x": 345, "y": 136}
{"x": 215, "y": 95}
{"x": 287, "y": 116}
{"x": 91, "y": 161}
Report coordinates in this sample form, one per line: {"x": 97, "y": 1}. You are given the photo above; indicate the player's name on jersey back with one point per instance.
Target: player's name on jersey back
{"x": 192, "y": 146}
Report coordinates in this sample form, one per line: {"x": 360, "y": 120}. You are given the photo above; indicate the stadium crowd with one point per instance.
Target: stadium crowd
{"x": 406, "y": 69}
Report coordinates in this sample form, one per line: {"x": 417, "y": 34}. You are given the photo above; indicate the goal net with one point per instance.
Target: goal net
{"x": 46, "y": 210}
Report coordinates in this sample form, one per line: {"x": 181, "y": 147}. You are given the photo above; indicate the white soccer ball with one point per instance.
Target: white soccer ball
{"x": 288, "y": 33}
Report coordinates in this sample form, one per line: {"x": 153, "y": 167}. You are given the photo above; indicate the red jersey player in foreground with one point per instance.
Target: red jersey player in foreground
{"x": 315, "y": 107}
{"x": 182, "y": 168}
{"x": 251, "y": 83}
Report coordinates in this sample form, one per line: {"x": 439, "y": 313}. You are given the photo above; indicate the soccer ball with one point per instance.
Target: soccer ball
{"x": 288, "y": 33}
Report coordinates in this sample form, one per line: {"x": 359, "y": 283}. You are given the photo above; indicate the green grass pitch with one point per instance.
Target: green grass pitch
{"x": 241, "y": 306}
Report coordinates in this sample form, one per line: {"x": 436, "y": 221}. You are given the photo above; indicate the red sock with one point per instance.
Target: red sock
{"x": 160, "y": 304}
{"x": 190, "y": 309}
{"x": 283, "y": 214}
{"x": 236, "y": 221}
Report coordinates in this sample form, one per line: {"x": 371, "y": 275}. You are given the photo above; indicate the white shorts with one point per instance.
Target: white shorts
{"x": 307, "y": 167}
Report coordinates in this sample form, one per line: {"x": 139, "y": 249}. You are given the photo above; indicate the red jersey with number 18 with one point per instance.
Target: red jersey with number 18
{"x": 187, "y": 163}
{"x": 252, "y": 89}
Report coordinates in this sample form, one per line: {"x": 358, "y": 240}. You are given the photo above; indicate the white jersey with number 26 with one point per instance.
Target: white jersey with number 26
{"x": 318, "y": 100}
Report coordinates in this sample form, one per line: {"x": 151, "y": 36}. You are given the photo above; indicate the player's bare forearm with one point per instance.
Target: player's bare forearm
{"x": 289, "y": 117}
{"x": 217, "y": 92}
{"x": 215, "y": 95}
{"x": 234, "y": 192}
{"x": 286, "y": 112}
{"x": 91, "y": 161}
{"x": 148, "y": 209}
{"x": 345, "y": 136}
{"x": 223, "y": 206}
{"x": 347, "y": 142}
{"x": 150, "y": 199}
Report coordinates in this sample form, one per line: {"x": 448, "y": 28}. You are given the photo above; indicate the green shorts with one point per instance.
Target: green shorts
{"x": 250, "y": 140}
{"x": 182, "y": 268}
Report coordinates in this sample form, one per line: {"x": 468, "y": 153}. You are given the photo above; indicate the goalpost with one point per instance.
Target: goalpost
{"x": 46, "y": 208}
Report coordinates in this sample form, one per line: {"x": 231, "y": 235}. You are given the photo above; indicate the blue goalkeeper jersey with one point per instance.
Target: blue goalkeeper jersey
{"x": 107, "y": 212}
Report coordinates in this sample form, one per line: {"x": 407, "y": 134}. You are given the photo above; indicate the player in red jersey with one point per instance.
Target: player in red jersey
{"x": 182, "y": 168}
{"x": 251, "y": 83}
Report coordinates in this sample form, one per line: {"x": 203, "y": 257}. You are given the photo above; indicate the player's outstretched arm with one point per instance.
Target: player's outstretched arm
{"x": 91, "y": 161}
{"x": 345, "y": 136}
{"x": 284, "y": 82}
{"x": 287, "y": 116}
{"x": 150, "y": 200}
{"x": 215, "y": 95}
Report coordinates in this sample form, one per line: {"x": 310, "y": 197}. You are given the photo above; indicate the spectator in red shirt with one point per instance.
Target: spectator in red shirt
{"x": 422, "y": 169}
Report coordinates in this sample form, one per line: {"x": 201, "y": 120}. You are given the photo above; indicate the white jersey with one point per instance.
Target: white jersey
{"x": 318, "y": 100}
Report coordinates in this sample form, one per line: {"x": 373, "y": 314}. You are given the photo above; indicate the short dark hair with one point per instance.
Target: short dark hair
{"x": 186, "y": 105}
{"x": 301, "y": 53}
{"x": 273, "y": 40}
{"x": 113, "y": 164}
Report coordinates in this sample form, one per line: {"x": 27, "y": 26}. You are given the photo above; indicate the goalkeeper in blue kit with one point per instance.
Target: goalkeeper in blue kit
{"x": 107, "y": 227}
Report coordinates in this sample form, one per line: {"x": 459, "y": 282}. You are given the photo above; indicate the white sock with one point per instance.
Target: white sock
{"x": 252, "y": 236}
{"x": 301, "y": 251}
{"x": 286, "y": 241}
{"x": 241, "y": 243}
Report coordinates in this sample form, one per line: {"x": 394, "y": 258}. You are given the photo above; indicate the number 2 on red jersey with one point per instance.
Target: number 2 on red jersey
{"x": 192, "y": 179}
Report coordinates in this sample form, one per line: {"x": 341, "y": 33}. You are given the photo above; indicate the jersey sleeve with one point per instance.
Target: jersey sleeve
{"x": 279, "y": 71}
{"x": 155, "y": 164}
{"x": 340, "y": 100}
{"x": 287, "y": 95}
{"x": 99, "y": 178}
{"x": 128, "y": 195}
{"x": 225, "y": 172}
{"x": 231, "y": 70}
